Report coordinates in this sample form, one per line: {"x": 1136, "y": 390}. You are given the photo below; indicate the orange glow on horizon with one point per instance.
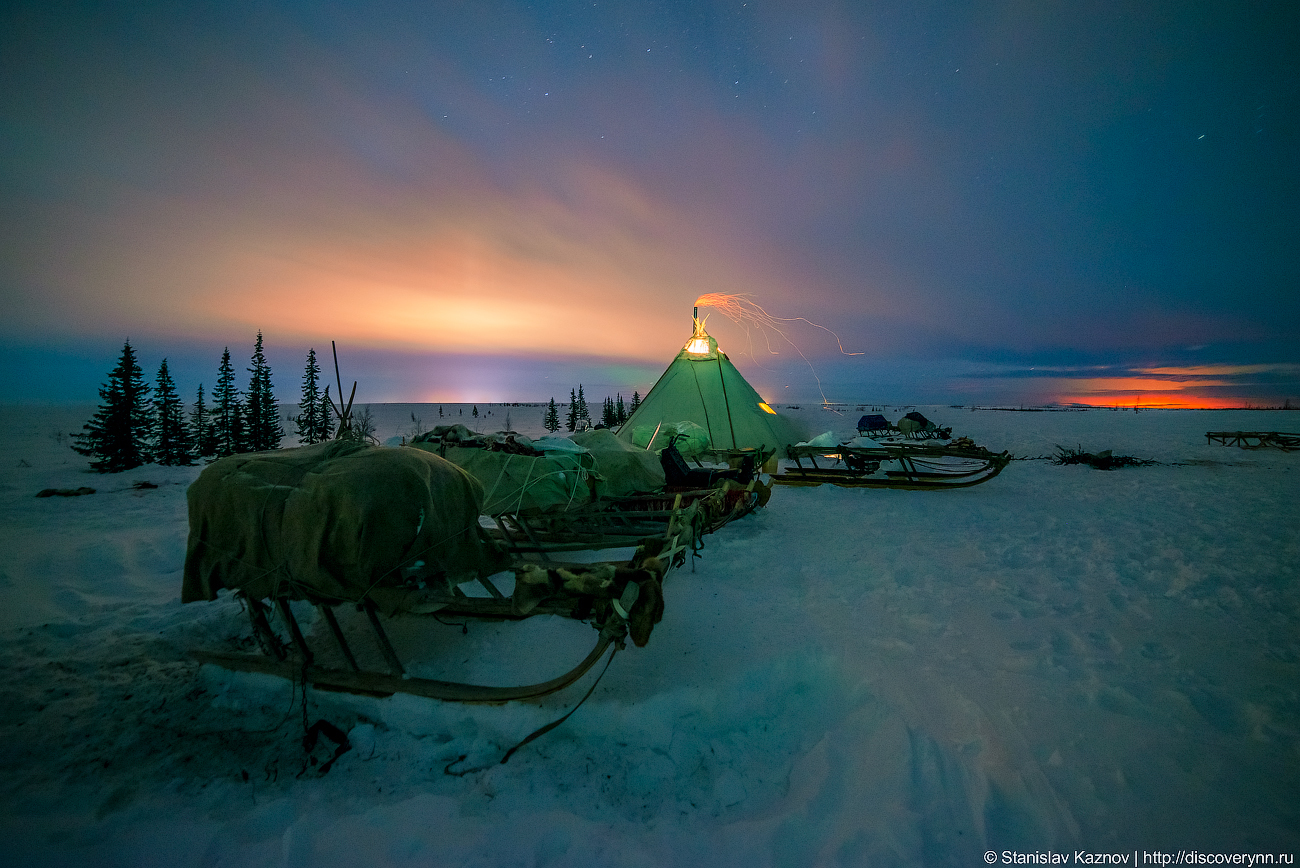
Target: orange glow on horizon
{"x": 1144, "y": 402}
{"x": 1141, "y": 384}
{"x": 1164, "y": 387}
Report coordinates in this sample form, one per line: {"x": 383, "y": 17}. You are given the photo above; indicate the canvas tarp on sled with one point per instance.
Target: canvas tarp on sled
{"x": 624, "y": 469}
{"x": 331, "y": 522}
{"x": 514, "y": 482}
{"x": 593, "y": 465}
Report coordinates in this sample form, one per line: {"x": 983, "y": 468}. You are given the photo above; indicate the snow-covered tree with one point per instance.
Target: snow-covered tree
{"x": 117, "y": 436}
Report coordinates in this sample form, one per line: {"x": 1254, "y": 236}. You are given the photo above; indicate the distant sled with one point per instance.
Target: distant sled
{"x": 1254, "y": 439}
{"x": 913, "y": 426}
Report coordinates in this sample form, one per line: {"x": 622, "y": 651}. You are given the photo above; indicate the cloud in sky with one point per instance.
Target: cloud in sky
{"x": 554, "y": 183}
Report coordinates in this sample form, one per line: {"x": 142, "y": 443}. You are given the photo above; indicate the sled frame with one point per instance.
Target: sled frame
{"x": 922, "y": 467}
{"x": 1254, "y": 439}
{"x": 296, "y": 659}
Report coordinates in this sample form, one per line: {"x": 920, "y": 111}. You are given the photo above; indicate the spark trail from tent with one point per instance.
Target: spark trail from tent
{"x": 746, "y": 313}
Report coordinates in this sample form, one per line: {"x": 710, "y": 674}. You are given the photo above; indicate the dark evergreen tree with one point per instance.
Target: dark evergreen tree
{"x": 551, "y": 421}
{"x": 117, "y": 436}
{"x": 171, "y": 442}
{"x": 608, "y": 416}
{"x": 227, "y": 412}
{"x": 201, "y": 428}
{"x": 636, "y": 402}
{"x": 583, "y": 413}
{"x": 620, "y": 410}
{"x": 262, "y": 416}
{"x": 475, "y": 413}
{"x": 315, "y": 419}
{"x": 239, "y": 429}
{"x": 571, "y": 417}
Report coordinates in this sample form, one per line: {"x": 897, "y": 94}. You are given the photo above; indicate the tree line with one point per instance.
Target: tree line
{"x": 137, "y": 424}
{"x": 613, "y": 413}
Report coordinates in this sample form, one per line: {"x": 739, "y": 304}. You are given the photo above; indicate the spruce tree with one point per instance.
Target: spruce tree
{"x": 117, "y": 436}
{"x": 171, "y": 442}
{"x": 571, "y": 418}
{"x": 636, "y": 402}
{"x": 262, "y": 418}
{"x": 239, "y": 430}
{"x": 227, "y": 414}
{"x": 583, "y": 412}
{"x": 201, "y": 428}
{"x": 551, "y": 421}
{"x": 314, "y": 420}
{"x": 620, "y": 410}
{"x": 608, "y": 417}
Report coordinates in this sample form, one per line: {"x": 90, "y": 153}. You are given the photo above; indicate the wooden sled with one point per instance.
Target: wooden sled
{"x": 1254, "y": 439}
{"x": 612, "y": 611}
{"x": 911, "y": 467}
{"x": 682, "y": 516}
{"x": 600, "y": 525}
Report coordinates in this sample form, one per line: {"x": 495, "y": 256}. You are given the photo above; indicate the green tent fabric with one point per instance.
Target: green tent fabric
{"x": 333, "y": 521}
{"x": 703, "y": 386}
{"x": 522, "y": 483}
{"x": 624, "y": 469}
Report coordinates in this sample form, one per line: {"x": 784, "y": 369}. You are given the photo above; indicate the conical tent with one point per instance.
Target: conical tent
{"x": 703, "y": 386}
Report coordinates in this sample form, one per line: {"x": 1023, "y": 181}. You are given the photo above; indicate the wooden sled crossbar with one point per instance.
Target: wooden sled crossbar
{"x": 298, "y": 660}
{"x": 681, "y": 518}
{"x": 918, "y": 467}
{"x": 1254, "y": 439}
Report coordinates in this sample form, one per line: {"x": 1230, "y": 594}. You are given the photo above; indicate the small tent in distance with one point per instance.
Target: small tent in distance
{"x": 703, "y": 386}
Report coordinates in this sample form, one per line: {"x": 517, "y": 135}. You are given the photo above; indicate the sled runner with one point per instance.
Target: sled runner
{"x": 957, "y": 465}
{"x": 392, "y": 532}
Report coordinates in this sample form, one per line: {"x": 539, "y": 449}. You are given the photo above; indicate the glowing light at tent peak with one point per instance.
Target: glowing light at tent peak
{"x": 698, "y": 345}
{"x": 762, "y": 405}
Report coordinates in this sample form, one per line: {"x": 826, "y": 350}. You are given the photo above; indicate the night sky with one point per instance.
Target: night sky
{"x": 1012, "y": 203}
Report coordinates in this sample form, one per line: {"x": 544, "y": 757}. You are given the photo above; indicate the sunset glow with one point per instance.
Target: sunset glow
{"x": 1171, "y": 387}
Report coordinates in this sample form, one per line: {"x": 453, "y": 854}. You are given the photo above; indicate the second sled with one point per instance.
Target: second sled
{"x": 915, "y": 467}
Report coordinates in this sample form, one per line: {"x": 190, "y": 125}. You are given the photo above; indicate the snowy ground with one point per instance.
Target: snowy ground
{"x": 1061, "y": 658}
